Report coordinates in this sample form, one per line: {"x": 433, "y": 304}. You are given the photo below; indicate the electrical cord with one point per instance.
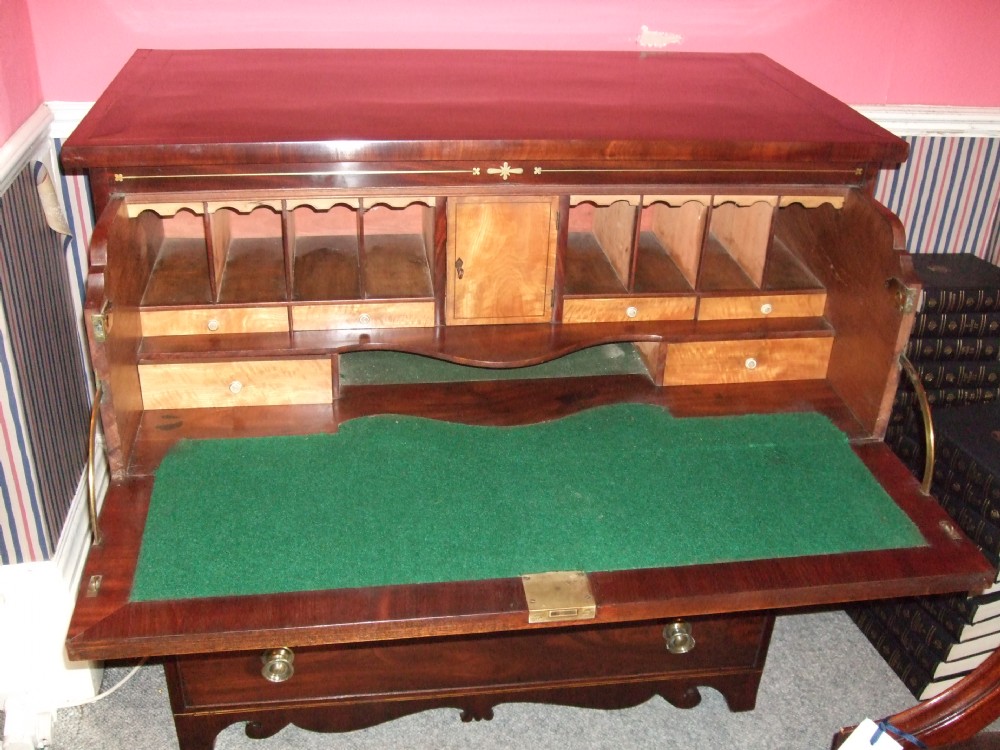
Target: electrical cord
{"x": 113, "y": 688}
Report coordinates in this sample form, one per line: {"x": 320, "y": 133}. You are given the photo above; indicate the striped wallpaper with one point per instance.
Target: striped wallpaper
{"x": 946, "y": 195}
{"x": 42, "y": 338}
{"x": 23, "y": 534}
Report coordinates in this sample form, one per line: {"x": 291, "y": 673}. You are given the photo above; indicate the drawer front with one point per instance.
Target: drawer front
{"x": 625, "y": 309}
{"x": 221, "y": 320}
{"x": 750, "y": 361}
{"x": 762, "y": 306}
{"x": 507, "y": 661}
{"x": 354, "y": 315}
{"x": 244, "y": 383}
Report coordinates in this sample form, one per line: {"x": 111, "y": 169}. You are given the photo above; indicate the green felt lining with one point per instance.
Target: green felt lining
{"x": 394, "y": 368}
{"x": 400, "y": 500}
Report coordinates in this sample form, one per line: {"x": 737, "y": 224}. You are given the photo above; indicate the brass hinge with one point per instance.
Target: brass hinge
{"x": 907, "y": 298}
{"x": 559, "y": 596}
{"x": 101, "y": 322}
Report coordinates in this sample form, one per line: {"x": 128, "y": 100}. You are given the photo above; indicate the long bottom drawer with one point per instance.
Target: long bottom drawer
{"x": 337, "y": 688}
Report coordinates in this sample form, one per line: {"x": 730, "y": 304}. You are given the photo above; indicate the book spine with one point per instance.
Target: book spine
{"x": 918, "y": 650}
{"x": 953, "y": 621}
{"x": 983, "y": 497}
{"x": 910, "y": 450}
{"x": 972, "y": 299}
{"x": 920, "y": 349}
{"x": 959, "y": 374}
{"x": 982, "y": 324}
{"x": 910, "y": 671}
{"x": 972, "y": 609}
{"x": 970, "y": 494}
{"x": 986, "y": 535}
{"x": 949, "y": 396}
{"x": 906, "y": 620}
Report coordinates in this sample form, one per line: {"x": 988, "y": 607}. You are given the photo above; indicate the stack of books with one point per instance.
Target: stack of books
{"x": 932, "y": 642}
{"x": 954, "y": 346}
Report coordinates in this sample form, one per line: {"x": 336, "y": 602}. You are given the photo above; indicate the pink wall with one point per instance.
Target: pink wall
{"x": 863, "y": 51}
{"x": 20, "y": 88}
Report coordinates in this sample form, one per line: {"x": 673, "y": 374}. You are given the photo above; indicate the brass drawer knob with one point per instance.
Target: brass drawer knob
{"x": 278, "y": 665}
{"x": 678, "y": 637}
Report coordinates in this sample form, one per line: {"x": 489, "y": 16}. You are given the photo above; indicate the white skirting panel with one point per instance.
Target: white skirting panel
{"x": 37, "y": 598}
{"x": 36, "y": 602}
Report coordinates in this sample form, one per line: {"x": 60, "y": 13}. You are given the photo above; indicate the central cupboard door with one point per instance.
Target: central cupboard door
{"x": 501, "y": 259}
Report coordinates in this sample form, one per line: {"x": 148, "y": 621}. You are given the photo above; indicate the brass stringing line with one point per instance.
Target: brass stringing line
{"x": 121, "y": 178}
{"x": 476, "y": 172}
{"x": 540, "y": 170}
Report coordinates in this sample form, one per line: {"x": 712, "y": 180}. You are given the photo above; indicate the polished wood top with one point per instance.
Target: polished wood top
{"x": 307, "y": 106}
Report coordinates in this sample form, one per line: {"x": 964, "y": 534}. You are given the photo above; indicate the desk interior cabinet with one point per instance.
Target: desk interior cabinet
{"x": 268, "y": 219}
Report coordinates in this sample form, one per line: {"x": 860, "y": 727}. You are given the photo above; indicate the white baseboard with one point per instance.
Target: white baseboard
{"x": 36, "y": 602}
{"x": 66, "y": 116}
{"x": 28, "y": 140}
{"x": 919, "y": 119}
{"x": 37, "y": 598}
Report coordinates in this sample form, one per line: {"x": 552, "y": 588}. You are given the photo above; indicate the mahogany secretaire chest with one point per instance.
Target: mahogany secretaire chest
{"x": 292, "y": 243}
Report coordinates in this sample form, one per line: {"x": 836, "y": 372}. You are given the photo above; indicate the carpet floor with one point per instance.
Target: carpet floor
{"x": 821, "y": 674}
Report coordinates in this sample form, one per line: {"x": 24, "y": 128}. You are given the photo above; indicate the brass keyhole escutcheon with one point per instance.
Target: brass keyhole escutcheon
{"x": 678, "y": 637}
{"x": 459, "y": 268}
{"x": 278, "y": 665}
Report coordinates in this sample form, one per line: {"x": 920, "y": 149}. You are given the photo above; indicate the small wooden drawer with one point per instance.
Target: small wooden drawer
{"x": 808, "y": 305}
{"x": 219, "y": 320}
{"x": 243, "y": 383}
{"x": 625, "y": 309}
{"x": 353, "y": 315}
{"x": 519, "y": 662}
{"x": 749, "y": 361}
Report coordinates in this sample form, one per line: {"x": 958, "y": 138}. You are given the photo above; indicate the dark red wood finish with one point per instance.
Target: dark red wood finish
{"x": 110, "y": 626}
{"x": 240, "y": 107}
{"x": 244, "y": 125}
{"x": 350, "y": 687}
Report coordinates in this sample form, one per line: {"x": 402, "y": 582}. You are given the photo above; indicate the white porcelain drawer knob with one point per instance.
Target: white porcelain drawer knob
{"x": 750, "y": 364}
{"x": 365, "y": 319}
{"x": 631, "y": 311}
{"x": 213, "y": 325}
{"x": 235, "y": 387}
{"x": 766, "y": 309}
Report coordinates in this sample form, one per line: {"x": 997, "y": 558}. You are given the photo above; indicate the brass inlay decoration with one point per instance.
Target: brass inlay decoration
{"x": 694, "y": 170}
{"x": 949, "y": 529}
{"x": 906, "y": 297}
{"x": 94, "y": 586}
{"x": 559, "y": 596}
{"x": 925, "y": 413}
{"x": 101, "y": 322}
{"x": 505, "y": 170}
{"x": 325, "y": 173}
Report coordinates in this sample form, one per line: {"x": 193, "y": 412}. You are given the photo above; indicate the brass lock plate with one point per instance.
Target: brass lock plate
{"x": 559, "y": 596}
